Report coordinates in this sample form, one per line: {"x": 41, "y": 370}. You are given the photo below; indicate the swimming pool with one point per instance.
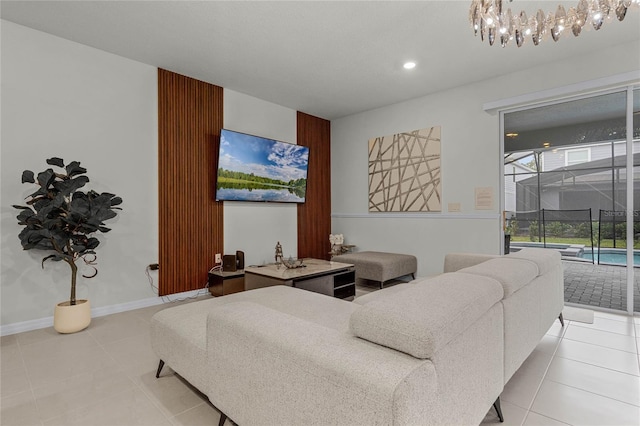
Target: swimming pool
{"x": 614, "y": 256}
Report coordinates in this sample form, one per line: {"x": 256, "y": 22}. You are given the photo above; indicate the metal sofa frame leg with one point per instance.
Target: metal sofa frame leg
{"x": 160, "y": 365}
{"x": 223, "y": 416}
{"x": 561, "y": 318}
{"x": 496, "y": 405}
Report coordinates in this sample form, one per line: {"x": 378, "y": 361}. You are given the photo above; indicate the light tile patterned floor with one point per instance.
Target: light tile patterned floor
{"x": 582, "y": 374}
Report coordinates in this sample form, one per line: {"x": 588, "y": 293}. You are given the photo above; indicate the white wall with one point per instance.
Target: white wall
{"x": 252, "y": 227}
{"x": 470, "y": 159}
{"x": 64, "y": 99}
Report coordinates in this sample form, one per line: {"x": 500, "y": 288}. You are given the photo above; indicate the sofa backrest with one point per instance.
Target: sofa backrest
{"x": 512, "y": 273}
{"x": 545, "y": 259}
{"x": 426, "y": 316}
{"x": 517, "y": 269}
{"x": 453, "y": 262}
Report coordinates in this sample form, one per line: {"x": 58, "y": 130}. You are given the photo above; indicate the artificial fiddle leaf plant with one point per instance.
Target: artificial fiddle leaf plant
{"x": 61, "y": 218}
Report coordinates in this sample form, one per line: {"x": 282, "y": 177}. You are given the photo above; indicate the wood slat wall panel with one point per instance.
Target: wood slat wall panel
{"x": 191, "y": 221}
{"x": 314, "y": 216}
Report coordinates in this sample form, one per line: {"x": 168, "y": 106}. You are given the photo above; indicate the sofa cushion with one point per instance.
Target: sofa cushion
{"x": 424, "y": 318}
{"x": 511, "y": 272}
{"x": 178, "y": 333}
{"x": 545, "y": 259}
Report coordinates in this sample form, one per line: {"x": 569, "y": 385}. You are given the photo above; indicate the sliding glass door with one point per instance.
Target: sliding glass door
{"x": 567, "y": 188}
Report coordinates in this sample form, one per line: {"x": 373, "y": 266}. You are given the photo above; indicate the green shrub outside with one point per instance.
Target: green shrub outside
{"x": 557, "y": 232}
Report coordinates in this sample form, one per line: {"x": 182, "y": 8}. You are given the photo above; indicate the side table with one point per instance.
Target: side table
{"x": 222, "y": 283}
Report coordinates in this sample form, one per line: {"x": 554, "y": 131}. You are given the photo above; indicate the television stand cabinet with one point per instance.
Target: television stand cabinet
{"x": 321, "y": 276}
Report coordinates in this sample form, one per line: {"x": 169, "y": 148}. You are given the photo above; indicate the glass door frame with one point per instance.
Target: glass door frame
{"x": 627, "y": 88}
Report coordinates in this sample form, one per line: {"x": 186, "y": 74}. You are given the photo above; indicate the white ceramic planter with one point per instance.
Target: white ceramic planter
{"x": 72, "y": 318}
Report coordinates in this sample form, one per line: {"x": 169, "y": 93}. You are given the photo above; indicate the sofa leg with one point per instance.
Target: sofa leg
{"x": 413, "y": 276}
{"x": 160, "y": 365}
{"x": 223, "y": 418}
{"x": 561, "y": 318}
{"x": 496, "y": 405}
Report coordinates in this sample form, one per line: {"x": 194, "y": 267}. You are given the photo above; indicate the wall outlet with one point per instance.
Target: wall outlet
{"x": 218, "y": 258}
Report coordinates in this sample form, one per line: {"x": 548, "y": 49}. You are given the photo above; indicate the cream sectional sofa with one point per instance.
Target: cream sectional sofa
{"x": 533, "y": 283}
{"x": 431, "y": 352}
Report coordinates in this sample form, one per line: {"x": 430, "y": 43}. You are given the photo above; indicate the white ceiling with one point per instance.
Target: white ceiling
{"x": 610, "y": 106}
{"x": 328, "y": 59}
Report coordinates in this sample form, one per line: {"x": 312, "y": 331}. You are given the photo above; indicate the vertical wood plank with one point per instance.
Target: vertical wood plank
{"x": 191, "y": 221}
{"x": 314, "y": 216}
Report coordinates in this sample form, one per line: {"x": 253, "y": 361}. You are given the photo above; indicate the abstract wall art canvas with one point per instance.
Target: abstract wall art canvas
{"x": 404, "y": 172}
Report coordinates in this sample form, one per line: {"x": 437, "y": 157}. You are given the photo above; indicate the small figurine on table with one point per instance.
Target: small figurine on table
{"x": 279, "y": 255}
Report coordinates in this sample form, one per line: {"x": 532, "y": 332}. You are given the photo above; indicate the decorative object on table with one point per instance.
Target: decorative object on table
{"x": 60, "y": 218}
{"x": 337, "y": 245}
{"x": 292, "y": 263}
{"x": 229, "y": 263}
{"x": 404, "y": 172}
{"x": 342, "y": 249}
{"x": 239, "y": 260}
{"x": 336, "y": 241}
{"x": 279, "y": 255}
{"x": 493, "y": 21}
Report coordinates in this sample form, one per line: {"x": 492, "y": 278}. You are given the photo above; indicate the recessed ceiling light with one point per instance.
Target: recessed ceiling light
{"x": 409, "y": 65}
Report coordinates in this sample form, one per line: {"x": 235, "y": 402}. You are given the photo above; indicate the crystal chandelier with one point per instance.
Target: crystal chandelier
{"x": 491, "y": 21}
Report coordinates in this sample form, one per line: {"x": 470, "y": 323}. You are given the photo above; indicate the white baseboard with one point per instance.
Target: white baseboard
{"x": 19, "y": 327}
{"x": 36, "y": 324}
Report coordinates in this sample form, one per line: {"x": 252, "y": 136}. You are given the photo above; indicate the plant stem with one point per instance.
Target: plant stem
{"x": 74, "y": 274}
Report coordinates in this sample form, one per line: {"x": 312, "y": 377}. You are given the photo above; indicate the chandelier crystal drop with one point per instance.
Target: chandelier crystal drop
{"x": 492, "y": 22}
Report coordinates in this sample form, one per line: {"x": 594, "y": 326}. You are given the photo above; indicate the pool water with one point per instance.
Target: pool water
{"x": 616, "y": 256}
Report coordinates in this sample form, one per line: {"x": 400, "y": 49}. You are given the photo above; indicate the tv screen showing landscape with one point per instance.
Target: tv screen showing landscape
{"x": 252, "y": 168}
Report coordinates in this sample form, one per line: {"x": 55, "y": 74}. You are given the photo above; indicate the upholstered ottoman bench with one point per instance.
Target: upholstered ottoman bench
{"x": 380, "y": 266}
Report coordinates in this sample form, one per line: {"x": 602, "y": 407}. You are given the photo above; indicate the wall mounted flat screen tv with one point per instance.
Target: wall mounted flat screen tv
{"x": 252, "y": 168}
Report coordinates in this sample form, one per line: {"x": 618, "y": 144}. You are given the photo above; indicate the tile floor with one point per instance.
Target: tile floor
{"x": 584, "y": 374}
